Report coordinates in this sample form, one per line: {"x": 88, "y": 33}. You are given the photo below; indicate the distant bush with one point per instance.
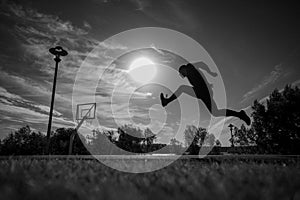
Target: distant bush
{"x": 103, "y": 143}
{"x": 59, "y": 142}
{"x": 23, "y": 142}
{"x": 197, "y": 137}
{"x": 27, "y": 142}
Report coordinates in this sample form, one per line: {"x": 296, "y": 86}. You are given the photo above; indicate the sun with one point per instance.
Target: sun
{"x": 142, "y": 70}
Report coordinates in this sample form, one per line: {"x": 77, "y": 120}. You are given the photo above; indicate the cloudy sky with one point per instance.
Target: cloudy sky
{"x": 255, "y": 46}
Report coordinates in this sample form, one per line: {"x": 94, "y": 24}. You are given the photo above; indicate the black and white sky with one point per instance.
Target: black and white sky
{"x": 255, "y": 45}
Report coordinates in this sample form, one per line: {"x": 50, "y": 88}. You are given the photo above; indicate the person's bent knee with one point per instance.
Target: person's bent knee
{"x": 184, "y": 88}
{"x": 181, "y": 89}
{"x": 218, "y": 113}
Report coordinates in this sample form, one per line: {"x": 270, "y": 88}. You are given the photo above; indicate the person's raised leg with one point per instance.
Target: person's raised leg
{"x": 182, "y": 89}
{"x": 215, "y": 111}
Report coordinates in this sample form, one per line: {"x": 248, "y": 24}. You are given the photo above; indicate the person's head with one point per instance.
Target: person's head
{"x": 183, "y": 71}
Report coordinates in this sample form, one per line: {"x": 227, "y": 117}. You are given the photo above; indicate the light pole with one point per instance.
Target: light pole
{"x": 231, "y": 128}
{"x": 57, "y": 52}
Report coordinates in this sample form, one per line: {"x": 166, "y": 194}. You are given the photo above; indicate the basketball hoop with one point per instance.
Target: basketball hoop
{"x": 85, "y": 114}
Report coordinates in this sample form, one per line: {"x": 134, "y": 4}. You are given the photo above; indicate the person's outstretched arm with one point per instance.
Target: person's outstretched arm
{"x": 204, "y": 67}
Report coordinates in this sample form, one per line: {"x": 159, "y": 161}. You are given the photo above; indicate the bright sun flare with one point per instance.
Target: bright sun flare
{"x": 142, "y": 70}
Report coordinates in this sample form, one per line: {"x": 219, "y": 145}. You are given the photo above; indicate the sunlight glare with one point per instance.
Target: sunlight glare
{"x": 142, "y": 70}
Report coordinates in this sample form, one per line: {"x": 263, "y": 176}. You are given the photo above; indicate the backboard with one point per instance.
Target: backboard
{"x": 86, "y": 110}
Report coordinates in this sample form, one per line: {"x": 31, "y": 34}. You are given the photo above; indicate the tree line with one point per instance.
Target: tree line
{"x": 275, "y": 129}
{"x": 27, "y": 142}
{"x": 276, "y": 124}
{"x": 126, "y": 140}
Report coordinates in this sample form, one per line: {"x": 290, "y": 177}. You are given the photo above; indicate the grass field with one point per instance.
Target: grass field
{"x": 218, "y": 178}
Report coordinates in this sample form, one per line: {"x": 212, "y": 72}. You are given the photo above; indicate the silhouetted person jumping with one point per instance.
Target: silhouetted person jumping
{"x": 203, "y": 91}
